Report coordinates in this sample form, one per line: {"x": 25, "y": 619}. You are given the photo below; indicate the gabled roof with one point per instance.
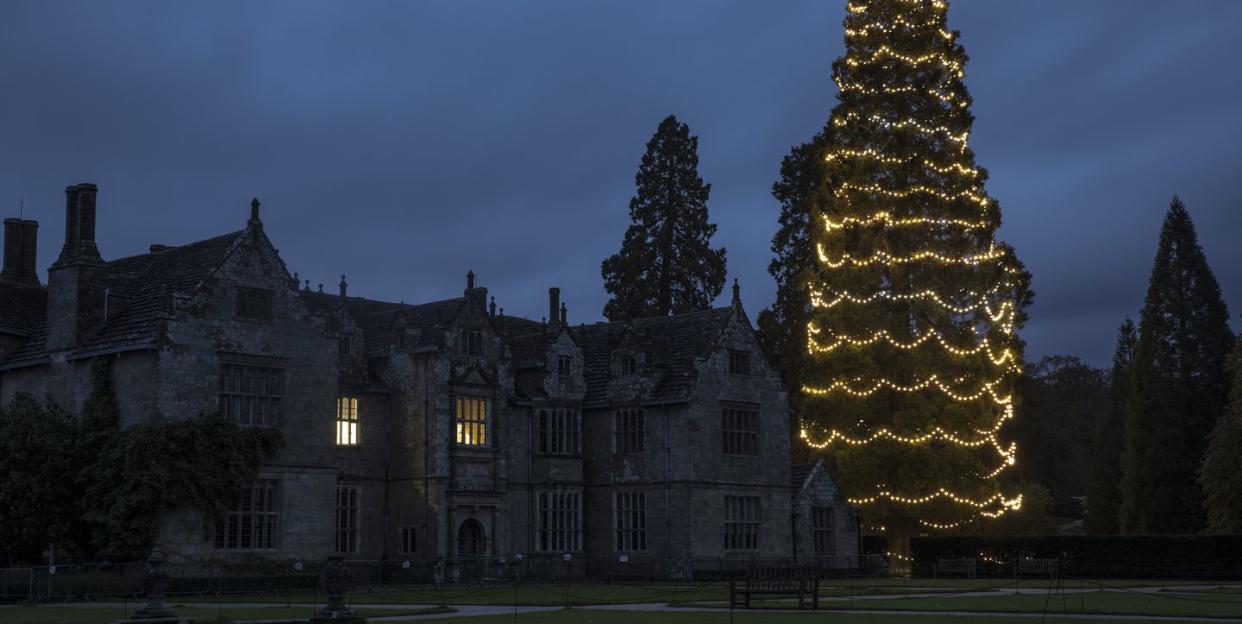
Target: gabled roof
{"x": 672, "y": 343}
{"x": 799, "y": 474}
{"x": 146, "y": 279}
{"x": 22, "y": 308}
{"x": 137, "y": 287}
{"x": 378, "y": 318}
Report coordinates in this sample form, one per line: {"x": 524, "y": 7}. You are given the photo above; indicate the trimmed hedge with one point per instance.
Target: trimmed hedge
{"x": 1104, "y": 556}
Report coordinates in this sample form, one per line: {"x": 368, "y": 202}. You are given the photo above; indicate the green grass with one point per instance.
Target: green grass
{"x": 588, "y": 616}
{"x": 535, "y": 594}
{"x": 1090, "y": 603}
{"x": 102, "y": 615}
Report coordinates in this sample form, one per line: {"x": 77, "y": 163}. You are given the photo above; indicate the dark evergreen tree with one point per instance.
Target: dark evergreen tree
{"x": 1062, "y": 397}
{"x": 914, "y": 354}
{"x": 1180, "y": 385}
{"x": 782, "y": 327}
{"x": 1221, "y": 474}
{"x": 666, "y": 264}
{"x": 1104, "y": 494}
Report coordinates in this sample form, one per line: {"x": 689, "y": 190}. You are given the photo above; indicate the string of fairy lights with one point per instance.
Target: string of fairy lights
{"x": 885, "y": 51}
{"x": 990, "y": 314}
{"x": 1005, "y": 307}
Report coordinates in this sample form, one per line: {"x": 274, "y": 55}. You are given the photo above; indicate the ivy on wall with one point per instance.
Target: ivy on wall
{"x": 97, "y": 490}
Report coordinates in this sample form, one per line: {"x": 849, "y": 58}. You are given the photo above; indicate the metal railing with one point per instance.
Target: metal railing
{"x": 123, "y": 581}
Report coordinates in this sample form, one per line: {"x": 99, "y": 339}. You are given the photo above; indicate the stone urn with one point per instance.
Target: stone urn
{"x": 336, "y": 580}
{"x": 154, "y": 588}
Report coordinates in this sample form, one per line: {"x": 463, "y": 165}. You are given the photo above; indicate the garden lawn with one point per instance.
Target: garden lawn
{"x": 534, "y": 595}
{"x": 1095, "y": 602}
{"x": 60, "y": 614}
{"x": 592, "y": 616}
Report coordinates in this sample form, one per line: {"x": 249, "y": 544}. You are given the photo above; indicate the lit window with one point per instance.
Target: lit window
{"x": 630, "y": 520}
{"x": 739, "y": 430}
{"x": 739, "y": 363}
{"x": 741, "y": 526}
{"x": 346, "y": 519}
{"x": 254, "y": 303}
{"x": 252, "y": 520}
{"x": 347, "y": 421}
{"x": 628, "y": 431}
{"x": 251, "y": 396}
{"x": 471, "y": 417}
{"x": 558, "y": 431}
{"x": 559, "y": 527}
{"x": 822, "y": 525}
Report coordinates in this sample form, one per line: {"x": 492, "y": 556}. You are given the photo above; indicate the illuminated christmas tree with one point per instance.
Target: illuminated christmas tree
{"x": 913, "y": 355}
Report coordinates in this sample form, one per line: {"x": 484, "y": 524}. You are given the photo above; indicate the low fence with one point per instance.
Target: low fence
{"x": 1215, "y": 557}
{"x": 123, "y": 581}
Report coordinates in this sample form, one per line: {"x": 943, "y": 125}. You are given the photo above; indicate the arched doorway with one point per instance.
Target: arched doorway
{"x": 470, "y": 539}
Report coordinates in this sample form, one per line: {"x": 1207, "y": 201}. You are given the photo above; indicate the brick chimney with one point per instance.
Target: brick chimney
{"x": 21, "y": 238}
{"x": 76, "y": 283}
{"x": 80, "y": 224}
{"x": 554, "y": 307}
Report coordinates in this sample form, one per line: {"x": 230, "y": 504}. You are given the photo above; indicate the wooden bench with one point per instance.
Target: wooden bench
{"x": 1048, "y": 567}
{"x": 798, "y": 581}
{"x": 964, "y": 566}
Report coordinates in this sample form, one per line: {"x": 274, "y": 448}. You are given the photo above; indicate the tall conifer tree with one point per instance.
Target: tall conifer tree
{"x": 1222, "y": 463}
{"x": 782, "y": 327}
{"x": 914, "y": 355}
{"x": 1180, "y": 385}
{"x": 1104, "y": 495}
{"x": 666, "y": 264}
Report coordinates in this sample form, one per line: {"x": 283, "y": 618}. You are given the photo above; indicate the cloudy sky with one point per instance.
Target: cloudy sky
{"x": 404, "y": 143}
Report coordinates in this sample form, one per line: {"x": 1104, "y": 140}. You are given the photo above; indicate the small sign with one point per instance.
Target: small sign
{"x": 297, "y": 566}
{"x": 567, "y": 557}
{"x": 51, "y": 569}
{"x": 405, "y": 565}
{"x": 624, "y": 558}
{"x": 519, "y": 556}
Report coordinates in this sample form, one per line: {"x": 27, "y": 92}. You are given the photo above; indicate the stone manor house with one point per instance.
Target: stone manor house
{"x": 419, "y": 431}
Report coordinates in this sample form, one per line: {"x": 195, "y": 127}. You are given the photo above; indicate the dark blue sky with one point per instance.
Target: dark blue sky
{"x": 404, "y": 143}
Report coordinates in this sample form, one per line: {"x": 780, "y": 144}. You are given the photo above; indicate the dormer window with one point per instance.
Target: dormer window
{"x": 629, "y": 365}
{"x": 739, "y": 362}
{"x": 472, "y": 342}
{"x": 254, "y": 303}
{"x": 564, "y": 367}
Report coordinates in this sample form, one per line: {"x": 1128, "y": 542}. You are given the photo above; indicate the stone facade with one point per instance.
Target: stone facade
{"x": 442, "y": 429}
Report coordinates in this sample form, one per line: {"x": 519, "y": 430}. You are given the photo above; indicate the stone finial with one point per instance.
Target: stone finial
{"x": 321, "y": 287}
{"x": 737, "y": 293}
{"x": 307, "y": 287}
{"x": 564, "y": 315}
{"x": 254, "y": 212}
{"x": 469, "y": 280}
{"x": 344, "y": 286}
{"x": 491, "y": 307}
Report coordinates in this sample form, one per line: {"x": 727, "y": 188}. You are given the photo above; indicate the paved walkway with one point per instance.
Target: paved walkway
{"x": 461, "y": 610}
{"x": 963, "y": 614}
